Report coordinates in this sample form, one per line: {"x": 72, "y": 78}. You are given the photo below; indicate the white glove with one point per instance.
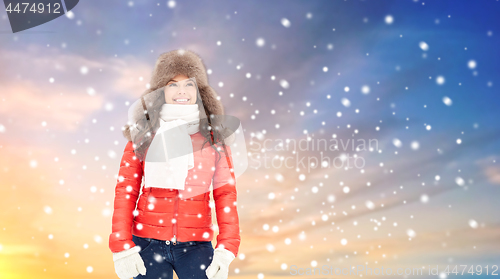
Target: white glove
{"x": 219, "y": 268}
{"x": 129, "y": 263}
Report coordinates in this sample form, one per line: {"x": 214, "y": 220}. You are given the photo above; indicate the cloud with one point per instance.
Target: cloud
{"x": 491, "y": 171}
{"x": 30, "y": 105}
{"x": 131, "y": 75}
{"x": 493, "y": 174}
{"x": 50, "y": 86}
{"x": 19, "y": 249}
{"x": 110, "y": 75}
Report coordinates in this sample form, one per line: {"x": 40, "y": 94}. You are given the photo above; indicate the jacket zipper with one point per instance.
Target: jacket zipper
{"x": 176, "y": 217}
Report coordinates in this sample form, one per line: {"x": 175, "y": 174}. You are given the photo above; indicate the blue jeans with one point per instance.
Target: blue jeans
{"x": 188, "y": 259}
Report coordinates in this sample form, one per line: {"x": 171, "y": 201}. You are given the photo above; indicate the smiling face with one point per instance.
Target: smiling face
{"x": 180, "y": 90}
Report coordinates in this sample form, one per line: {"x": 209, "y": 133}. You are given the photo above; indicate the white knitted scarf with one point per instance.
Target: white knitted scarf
{"x": 177, "y": 123}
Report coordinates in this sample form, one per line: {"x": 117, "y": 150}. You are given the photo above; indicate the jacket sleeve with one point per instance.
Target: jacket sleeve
{"x": 224, "y": 191}
{"x": 126, "y": 192}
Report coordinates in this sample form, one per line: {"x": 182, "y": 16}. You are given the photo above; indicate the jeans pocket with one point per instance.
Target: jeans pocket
{"x": 142, "y": 242}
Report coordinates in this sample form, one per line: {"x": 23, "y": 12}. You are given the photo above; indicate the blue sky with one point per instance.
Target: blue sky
{"x": 100, "y": 60}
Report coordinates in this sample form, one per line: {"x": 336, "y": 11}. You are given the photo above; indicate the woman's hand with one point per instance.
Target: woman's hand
{"x": 219, "y": 268}
{"x": 129, "y": 263}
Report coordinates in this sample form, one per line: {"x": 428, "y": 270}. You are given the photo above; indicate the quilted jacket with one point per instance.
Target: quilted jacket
{"x": 163, "y": 213}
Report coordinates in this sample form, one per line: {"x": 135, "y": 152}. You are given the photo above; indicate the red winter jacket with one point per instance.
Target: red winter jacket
{"x": 163, "y": 213}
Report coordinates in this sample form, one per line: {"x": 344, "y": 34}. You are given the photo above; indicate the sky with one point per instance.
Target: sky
{"x": 417, "y": 78}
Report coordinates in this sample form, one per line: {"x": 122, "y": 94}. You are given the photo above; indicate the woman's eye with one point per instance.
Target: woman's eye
{"x": 172, "y": 84}
{"x": 190, "y": 84}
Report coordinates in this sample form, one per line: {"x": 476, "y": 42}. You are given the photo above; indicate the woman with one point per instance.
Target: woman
{"x": 172, "y": 229}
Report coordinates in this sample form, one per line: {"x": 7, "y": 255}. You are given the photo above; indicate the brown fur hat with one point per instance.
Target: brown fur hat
{"x": 187, "y": 62}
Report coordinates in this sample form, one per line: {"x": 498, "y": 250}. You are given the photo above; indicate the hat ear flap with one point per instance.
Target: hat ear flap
{"x": 147, "y": 91}
{"x": 126, "y": 132}
{"x": 137, "y": 115}
{"x": 209, "y": 98}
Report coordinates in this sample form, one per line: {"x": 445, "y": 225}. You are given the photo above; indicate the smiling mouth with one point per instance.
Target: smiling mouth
{"x": 182, "y": 100}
